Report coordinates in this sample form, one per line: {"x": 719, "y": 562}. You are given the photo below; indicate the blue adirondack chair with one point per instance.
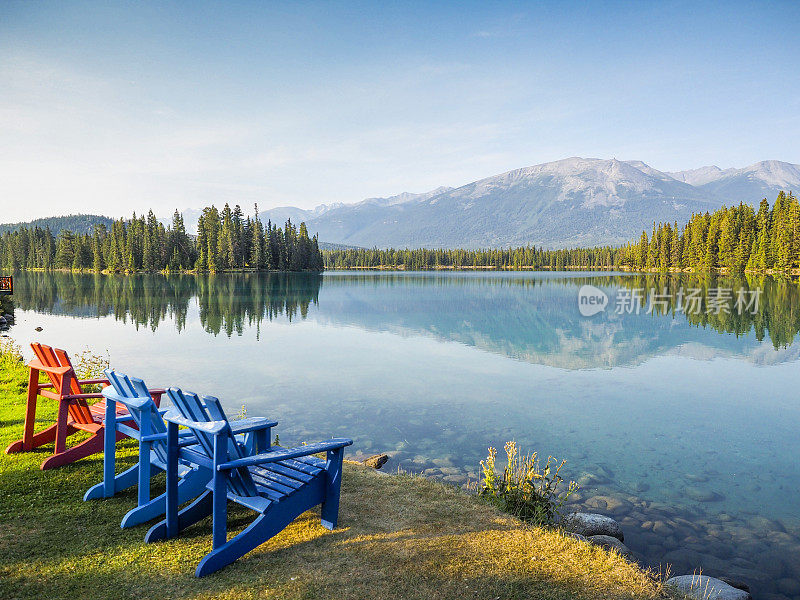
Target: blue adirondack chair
{"x": 279, "y": 485}
{"x": 151, "y": 432}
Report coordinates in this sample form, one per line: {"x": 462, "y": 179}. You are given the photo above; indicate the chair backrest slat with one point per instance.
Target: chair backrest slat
{"x": 240, "y": 480}
{"x": 133, "y": 387}
{"x": 55, "y": 357}
{"x": 192, "y": 408}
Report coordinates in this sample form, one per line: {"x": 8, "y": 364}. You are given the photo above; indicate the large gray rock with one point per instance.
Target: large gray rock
{"x": 707, "y": 588}
{"x": 589, "y": 524}
{"x": 611, "y": 543}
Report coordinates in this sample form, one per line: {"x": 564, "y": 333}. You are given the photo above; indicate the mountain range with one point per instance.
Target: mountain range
{"x": 566, "y": 203}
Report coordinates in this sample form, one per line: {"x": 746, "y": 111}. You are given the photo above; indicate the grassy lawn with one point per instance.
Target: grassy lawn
{"x": 399, "y": 537}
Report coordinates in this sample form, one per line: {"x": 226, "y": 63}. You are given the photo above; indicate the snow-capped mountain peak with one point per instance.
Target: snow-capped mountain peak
{"x": 565, "y": 203}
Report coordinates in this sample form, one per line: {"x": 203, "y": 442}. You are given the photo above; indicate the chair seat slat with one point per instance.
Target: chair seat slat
{"x": 280, "y": 467}
{"x": 262, "y": 479}
{"x": 301, "y": 466}
{"x": 264, "y": 491}
{"x": 277, "y": 477}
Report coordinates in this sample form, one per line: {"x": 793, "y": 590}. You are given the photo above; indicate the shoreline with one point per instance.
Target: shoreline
{"x": 690, "y": 541}
{"x": 399, "y": 537}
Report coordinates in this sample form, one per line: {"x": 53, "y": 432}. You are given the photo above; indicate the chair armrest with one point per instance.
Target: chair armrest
{"x": 210, "y": 427}
{"x": 137, "y": 403}
{"x": 92, "y": 381}
{"x": 251, "y": 424}
{"x": 185, "y": 433}
{"x": 39, "y": 366}
{"x": 82, "y": 396}
{"x": 284, "y": 454}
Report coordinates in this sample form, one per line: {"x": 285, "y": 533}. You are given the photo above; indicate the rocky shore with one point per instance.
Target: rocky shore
{"x": 711, "y": 555}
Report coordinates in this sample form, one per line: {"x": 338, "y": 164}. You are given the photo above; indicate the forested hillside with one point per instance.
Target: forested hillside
{"x": 735, "y": 239}
{"x": 225, "y": 240}
{"x": 82, "y": 224}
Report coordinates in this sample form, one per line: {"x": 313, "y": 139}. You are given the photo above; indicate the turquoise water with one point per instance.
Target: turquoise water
{"x": 683, "y": 427}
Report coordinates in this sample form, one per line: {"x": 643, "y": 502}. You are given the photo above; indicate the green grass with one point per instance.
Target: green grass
{"x": 399, "y": 537}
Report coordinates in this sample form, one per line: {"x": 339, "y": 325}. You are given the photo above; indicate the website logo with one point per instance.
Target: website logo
{"x": 591, "y": 300}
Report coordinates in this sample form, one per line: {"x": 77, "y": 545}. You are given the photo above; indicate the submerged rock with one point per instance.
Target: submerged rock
{"x": 589, "y": 524}
{"x": 588, "y": 480}
{"x": 789, "y": 586}
{"x": 765, "y": 524}
{"x": 702, "y": 495}
{"x": 707, "y": 588}
{"x": 610, "y": 503}
{"x": 611, "y": 543}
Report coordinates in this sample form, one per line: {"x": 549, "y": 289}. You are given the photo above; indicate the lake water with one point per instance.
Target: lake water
{"x": 681, "y": 424}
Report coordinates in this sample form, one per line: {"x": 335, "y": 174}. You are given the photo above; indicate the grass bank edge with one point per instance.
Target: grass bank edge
{"x": 400, "y": 536}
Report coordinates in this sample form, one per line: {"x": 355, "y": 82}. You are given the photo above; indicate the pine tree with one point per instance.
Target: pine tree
{"x": 257, "y": 242}
{"x": 676, "y": 249}
{"x": 97, "y": 251}
{"x": 711, "y": 257}
{"x": 225, "y": 243}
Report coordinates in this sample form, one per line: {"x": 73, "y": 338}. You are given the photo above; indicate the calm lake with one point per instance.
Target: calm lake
{"x": 678, "y": 413}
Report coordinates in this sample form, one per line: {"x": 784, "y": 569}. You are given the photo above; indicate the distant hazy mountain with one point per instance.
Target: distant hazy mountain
{"x": 75, "y": 223}
{"x": 570, "y": 202}
{"x": 750, "y": 184}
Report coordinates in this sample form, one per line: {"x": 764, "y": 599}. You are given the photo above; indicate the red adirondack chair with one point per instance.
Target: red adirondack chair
{"x": 74, "y": 412}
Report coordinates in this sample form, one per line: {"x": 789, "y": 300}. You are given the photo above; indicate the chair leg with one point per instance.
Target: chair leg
{"x": 86, "y": 448}
{"x": 189, "y": 487}
{"x": 196, "y": 511}
{"x": 45, "y": 436}
{"x": 61, "y": 427}
{"x": 122, "y": 481}
{"x": 333, "y": 485}
{"x": 110, "y": 449}
{"x": 30, "y": 409}
{"x": 145, "y": 473}
{"x": 259, "y": 531}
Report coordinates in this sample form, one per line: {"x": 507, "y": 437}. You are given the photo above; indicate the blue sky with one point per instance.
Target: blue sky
{"x": 114, "y": 107}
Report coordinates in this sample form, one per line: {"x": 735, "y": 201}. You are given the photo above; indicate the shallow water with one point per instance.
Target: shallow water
{"x": 682, "y": 426}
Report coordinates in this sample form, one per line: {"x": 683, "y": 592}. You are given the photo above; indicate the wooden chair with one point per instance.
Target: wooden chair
{"x": 151, "y": 432}
{"x": 278, "y": 485}
{"x": 74, "y": 412}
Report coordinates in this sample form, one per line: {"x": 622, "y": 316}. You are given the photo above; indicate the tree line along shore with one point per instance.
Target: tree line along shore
{"x": 736, "y": 239}
{"x": 225, "y": 240}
